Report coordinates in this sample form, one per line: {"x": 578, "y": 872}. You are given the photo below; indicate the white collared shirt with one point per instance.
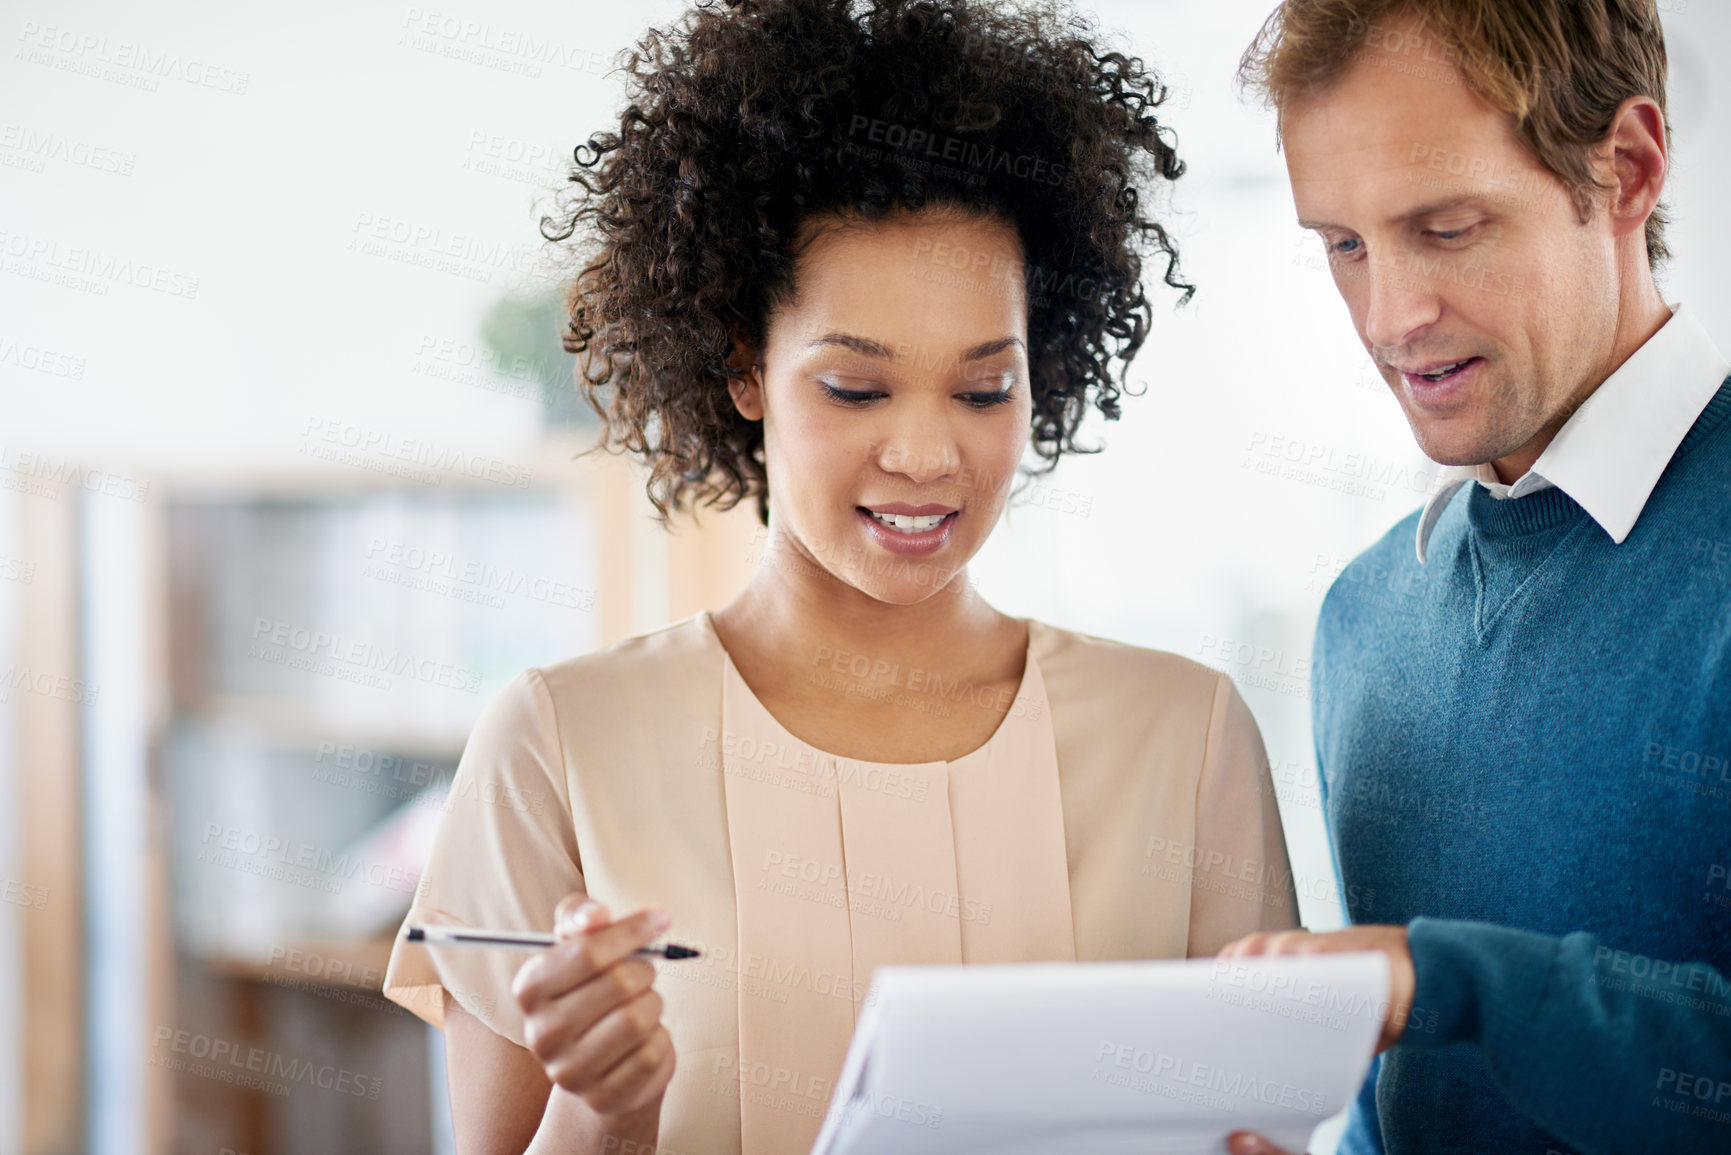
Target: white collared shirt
{"x": 1610, "y": 453}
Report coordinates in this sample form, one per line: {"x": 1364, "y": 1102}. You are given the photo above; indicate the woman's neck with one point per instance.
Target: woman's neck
{"x": 791, "y": 618}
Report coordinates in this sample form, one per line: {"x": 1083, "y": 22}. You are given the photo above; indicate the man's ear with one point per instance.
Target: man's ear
{"x": 1635, "y": 155}
{"x": 747, "y": 391}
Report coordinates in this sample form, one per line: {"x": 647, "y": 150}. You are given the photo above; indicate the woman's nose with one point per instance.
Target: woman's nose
{"x": 922, "y": 456}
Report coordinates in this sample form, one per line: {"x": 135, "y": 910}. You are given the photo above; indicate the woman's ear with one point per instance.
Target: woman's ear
{"x": 747, "y": 391}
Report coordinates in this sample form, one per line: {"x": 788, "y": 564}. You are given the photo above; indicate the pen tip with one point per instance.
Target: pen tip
{"x": 416, "y": 934}
{"x": 675, "y": 951}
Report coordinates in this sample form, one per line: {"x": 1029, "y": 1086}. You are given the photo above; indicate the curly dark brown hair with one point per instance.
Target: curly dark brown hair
{"x": 749, "y": 118}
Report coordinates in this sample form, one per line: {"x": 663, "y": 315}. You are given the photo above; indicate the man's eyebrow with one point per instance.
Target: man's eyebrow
{"x": 866, "y": 347}
{"x": 1412, "y": 214}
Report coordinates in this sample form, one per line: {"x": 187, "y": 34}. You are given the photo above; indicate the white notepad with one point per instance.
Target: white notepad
{"x": 1105, "y": 1058}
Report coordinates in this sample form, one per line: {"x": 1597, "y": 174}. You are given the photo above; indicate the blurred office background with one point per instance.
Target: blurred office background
{"x": 288, "y": 489}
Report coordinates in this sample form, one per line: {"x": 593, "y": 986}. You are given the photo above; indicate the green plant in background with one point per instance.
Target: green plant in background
{"x": 522, "y": 334}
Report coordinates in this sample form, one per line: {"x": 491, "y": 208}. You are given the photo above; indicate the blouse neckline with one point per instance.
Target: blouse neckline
{"x": 1031, "y": 679}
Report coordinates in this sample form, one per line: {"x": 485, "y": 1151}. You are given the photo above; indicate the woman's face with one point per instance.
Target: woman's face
{"x": 894, "y": 397}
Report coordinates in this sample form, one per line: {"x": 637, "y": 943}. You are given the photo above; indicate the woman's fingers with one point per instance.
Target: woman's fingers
{"x": 555, "y": 1026}
{"x": 591, "y": 1015}
{"x": 582, "y": 954}
{"x": 637, "y": 1078}
{"x": 607, "y": 1043}
{"x": 578, "y": 912}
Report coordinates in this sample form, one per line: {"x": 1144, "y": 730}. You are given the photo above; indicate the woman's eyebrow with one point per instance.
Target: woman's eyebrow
{"x": 987, "y": 348}
{"x": 864, "y": 346}
{"x": 867, "y": 347}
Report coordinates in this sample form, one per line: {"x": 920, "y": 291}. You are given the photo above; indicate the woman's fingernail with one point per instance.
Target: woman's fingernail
{"x": 660, "y": 920}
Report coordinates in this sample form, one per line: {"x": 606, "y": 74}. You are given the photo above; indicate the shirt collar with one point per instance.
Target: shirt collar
{"x": 1611, "y": 452}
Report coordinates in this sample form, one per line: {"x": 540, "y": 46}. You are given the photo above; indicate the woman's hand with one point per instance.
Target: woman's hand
{"x": 591, "y": 1014}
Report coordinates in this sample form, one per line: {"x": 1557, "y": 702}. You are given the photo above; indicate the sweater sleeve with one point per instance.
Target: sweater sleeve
{"x": 1612, "y": 1052}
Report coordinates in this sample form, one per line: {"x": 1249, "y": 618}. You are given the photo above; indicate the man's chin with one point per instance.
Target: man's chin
{"x": 1449, "y": 441}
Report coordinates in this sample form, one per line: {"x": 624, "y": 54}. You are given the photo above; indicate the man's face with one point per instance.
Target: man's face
{"x": 1488, "y": 307}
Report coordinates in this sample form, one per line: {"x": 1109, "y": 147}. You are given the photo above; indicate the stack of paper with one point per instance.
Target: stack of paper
{"x": 1105, "y": 1058}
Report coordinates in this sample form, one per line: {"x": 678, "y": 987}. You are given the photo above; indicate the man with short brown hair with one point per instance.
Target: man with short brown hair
{"x": 1546, "y": 646}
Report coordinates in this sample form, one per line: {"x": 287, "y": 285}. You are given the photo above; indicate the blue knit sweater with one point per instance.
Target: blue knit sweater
{"x": 1525, "y": 750}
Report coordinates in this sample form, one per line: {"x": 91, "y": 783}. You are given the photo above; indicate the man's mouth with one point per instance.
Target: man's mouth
{"x": 1442, "y": 373}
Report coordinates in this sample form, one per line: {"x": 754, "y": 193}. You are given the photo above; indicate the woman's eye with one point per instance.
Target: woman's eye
{"x": 988, "y": 400}
{"x": 849, "y": 396}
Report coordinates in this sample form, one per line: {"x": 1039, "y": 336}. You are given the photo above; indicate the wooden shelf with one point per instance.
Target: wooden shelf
{"x": 353, "y": 965}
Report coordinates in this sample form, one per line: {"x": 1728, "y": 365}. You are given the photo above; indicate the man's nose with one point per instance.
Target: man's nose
{"x": 1402, "y": 300}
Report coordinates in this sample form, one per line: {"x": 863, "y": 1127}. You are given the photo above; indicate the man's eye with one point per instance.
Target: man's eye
{"x": 1345, "y": 247}
{"x": 1450, "y": 234}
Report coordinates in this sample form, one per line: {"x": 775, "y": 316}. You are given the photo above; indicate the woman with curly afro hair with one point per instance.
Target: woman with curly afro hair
{"x": 849, "y": 261}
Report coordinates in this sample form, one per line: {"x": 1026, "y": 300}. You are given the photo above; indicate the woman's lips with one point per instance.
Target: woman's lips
{"x": 902, "y": 542}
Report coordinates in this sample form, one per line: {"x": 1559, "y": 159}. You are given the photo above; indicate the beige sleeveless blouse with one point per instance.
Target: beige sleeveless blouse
{"x": 1121, "y": 810}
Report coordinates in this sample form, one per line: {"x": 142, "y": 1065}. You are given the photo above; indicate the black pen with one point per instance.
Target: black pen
{"x": 520, "y": 940}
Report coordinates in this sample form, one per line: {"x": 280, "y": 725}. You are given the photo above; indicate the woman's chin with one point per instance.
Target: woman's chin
{"x": 920, "y": 582}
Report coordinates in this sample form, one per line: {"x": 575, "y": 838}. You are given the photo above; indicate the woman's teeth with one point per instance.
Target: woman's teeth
{"x": 904, "y": 523}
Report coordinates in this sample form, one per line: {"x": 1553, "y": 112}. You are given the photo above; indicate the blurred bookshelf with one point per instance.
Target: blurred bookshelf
{"x": 327, "y": 652}
{"x": 325, "y": 641}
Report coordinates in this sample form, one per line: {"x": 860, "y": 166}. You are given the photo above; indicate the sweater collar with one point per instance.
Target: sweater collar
{"x": 1609, "y": 455}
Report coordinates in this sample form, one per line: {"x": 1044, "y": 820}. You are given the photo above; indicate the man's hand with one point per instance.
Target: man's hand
{"x": 1390, "y": 940}
{"x": 1402, "y": 981}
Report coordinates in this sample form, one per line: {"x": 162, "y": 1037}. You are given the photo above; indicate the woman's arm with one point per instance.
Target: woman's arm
{"x": 1241, "y": 880}
{"x": 502, "y": 1103}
